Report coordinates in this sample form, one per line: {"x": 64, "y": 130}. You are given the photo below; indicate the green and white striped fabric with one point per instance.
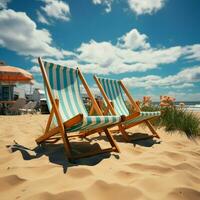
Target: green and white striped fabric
{"x": 113, "y": 91}
{"x": 143, "y": 116}
{"x": 64, "y": 84}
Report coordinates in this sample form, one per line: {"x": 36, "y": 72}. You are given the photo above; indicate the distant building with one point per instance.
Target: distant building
{"x": 38, "y": 94}
{"x": 6, "y": 92}
{"x": 19, "y": 93}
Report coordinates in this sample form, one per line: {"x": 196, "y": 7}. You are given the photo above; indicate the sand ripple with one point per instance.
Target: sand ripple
{"x": 147, "y": 170}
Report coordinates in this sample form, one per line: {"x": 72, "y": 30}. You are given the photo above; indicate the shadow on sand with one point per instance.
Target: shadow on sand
{"x": 56, "y": 153}
{"x": 141, "y": 139}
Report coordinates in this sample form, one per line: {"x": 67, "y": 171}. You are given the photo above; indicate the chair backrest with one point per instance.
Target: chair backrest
{"x": 65, "y": 87}
{"x": 114, "y": 93}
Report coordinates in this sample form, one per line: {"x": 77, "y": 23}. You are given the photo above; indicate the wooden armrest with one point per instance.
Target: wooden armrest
{"x": 132, "y": 116}
{"x": 73, "y": 121}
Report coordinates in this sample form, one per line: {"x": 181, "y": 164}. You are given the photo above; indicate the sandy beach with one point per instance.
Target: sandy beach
{"x": 148, "y": 169}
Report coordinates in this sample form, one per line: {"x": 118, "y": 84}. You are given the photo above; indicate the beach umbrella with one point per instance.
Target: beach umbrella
{"x": 14, "y": 74}
{"x": 11, "y": 75}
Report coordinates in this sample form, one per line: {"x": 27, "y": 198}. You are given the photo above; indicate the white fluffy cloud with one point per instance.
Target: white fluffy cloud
{"x": 94, "y": 89}
{"x": 103, "y": 53}
{"x": 35, "y": 69}
{"x": 127, "y": 55}
{"x": 3, "y": 4}
{"x": 42, "y": 19}
{"x": 183, "y": 79}
{"x": 193, "y": 52}
{"x": 134, "y": 40}
{"x": 139, "y": 7}
{"x": 21, "y": 34}
{"x": 131, "y": 53}
{"x": 145, "y": 6}
{"x": 107, "y": 3}
{"x": 105, "y": 58}
{"x": 56, "y": 9}
{"x": 182, "y": 86}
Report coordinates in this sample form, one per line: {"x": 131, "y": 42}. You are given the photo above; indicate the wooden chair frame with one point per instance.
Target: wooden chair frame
{"x": 135, "y": 108}
{"x": 50, "y": 133}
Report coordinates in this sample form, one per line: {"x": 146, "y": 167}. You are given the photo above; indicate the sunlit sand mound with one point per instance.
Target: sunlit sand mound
{"x": 146, "y": 169}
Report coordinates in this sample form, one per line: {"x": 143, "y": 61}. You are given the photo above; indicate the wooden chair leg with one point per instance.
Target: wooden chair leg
{"x": 87, "y": 154}
{"x": 124, "y": 133}
{"x": 151, "y": 128}
{"x": 111, "y": 140}
{"x": 47, "y": 135}
{"x": 67, "y": 145}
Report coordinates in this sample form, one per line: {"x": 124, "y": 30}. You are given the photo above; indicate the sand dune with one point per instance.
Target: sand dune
{"x": 146, "y": 169}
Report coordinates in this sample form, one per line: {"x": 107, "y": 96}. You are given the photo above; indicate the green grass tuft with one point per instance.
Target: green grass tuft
{"x": 174, "y": 119}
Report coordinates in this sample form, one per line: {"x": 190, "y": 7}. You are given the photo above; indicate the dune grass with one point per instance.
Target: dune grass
{"x": 174, "y": 119}
{"x": 179, "y": 119}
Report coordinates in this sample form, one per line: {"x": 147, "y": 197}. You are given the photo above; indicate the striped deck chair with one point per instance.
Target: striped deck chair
{"x": 112, "y": 91}
{"x": 67, "y": 110}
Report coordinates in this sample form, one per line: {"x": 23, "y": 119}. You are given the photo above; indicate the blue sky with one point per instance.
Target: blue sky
{"x": 152, "y": 45}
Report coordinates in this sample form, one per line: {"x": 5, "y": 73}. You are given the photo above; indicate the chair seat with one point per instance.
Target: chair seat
{"x": 94, "y": 122}
{"x": 142, "y": 116}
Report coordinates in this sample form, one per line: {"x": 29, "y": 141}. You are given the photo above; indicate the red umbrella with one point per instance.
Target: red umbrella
{"x": 14, "y": 74}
